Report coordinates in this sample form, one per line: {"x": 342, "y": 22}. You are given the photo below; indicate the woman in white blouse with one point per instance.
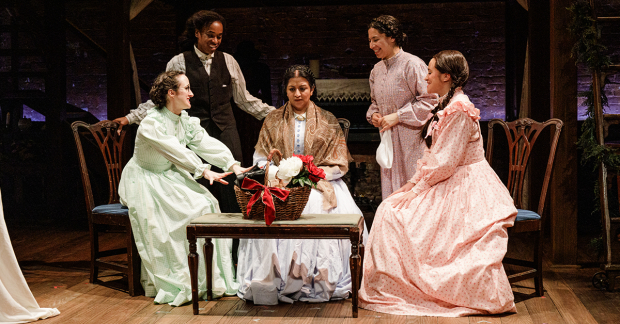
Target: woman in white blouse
{"x": 270, "y": 271}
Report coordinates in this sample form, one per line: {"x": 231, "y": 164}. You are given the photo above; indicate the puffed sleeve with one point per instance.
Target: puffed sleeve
{"x": 210, "y": 149}
{"x": 135, "y": 116}
{"x": 441, "y": 160}
{"x": 177, "y": 63}
{"x": 154, "y": 133}
{"x": 417, "y": 112}
{"x": 374, "y": 108}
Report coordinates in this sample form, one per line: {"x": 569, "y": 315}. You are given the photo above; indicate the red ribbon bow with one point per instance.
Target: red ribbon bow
{"x": 265, "y": 192}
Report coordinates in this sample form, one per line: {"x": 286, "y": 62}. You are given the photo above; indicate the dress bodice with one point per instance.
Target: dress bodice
{"x": 165, "y": 139}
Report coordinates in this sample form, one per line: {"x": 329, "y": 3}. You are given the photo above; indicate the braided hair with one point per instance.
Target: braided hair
{"x": 455, "y": 64}
{"x": 391, "y": 27}
{"x": 164, "y": 82}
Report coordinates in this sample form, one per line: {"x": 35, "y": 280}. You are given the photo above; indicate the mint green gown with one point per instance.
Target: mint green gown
{"x": 159, "y": 188}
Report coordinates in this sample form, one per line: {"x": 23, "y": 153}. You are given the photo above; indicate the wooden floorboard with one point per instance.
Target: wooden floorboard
{"x": 333, "y": 312}
{"x": 541, "y": 309}
{"x": 522, "y": 316}
{"x": 484, "y": 320}
{"x": 272, "y": 314}
{"x": 445, "y": 320}
{"x": 56, "y": 266}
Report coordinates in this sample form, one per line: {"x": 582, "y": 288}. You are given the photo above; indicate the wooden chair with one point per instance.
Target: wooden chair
{"x": 112, "y": 214}
{"x": 522, "y": 135}
{"x": 345, "y": 124}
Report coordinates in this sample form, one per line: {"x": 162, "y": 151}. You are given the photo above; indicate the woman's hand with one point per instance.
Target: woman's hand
{"x": 122, "y": 121}
{"x": 214, "y": 176}
{"x": 237, "y": 169}
{"x": 404, "y": 200}
{"x": 375, "y": 118}
{"x": 388, "y": 121}
{"x": 408, "y": 186}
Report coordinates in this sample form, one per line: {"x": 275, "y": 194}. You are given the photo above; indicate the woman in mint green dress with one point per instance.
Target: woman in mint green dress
{"x": 159, "y": 188}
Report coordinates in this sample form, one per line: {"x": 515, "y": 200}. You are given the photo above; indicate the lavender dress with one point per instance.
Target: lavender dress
{"x": 397, "y": 86}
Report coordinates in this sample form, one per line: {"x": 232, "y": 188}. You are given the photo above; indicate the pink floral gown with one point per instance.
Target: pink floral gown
{"x": 442, "y": 256}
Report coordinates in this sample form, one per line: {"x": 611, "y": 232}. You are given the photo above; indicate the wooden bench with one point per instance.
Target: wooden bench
{"x": 310, "y": 226}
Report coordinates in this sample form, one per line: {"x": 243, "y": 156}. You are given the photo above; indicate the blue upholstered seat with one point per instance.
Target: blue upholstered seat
{"x": 524, "y": 215}
{"x": 111, "y": 209}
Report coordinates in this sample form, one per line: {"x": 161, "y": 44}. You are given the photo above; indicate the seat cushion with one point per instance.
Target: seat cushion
{"x": 524, "y": 215}
{"x": 111, "y": 209}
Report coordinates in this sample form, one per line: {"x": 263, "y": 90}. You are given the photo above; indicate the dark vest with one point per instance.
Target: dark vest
{"x": 212, "y": 93}
{"x": 212, "y": 99}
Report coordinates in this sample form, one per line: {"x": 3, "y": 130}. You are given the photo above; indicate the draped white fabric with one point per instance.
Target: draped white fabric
{"x": 17, "y": 304}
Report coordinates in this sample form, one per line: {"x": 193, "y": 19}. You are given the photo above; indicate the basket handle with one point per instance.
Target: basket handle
{"x": 269, "y": 158}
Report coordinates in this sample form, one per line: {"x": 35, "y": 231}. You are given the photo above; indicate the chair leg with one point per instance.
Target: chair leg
{"x": 361, "y": 260}
{"x": 133, "y": 265}
{"x": 94, "y": 250}
{"x": 538, "y": 280}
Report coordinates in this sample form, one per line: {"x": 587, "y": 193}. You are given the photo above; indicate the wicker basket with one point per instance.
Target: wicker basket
{"x": 290, "y": 209}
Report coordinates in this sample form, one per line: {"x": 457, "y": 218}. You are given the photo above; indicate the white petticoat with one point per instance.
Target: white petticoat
{"x": 272, "y": 270}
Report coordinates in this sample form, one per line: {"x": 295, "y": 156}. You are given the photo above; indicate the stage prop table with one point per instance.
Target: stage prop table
{"x": 308, "y": 226}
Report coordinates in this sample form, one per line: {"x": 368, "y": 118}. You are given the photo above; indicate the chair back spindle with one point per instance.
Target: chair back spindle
{"x": 522, "y": 135}
{"x": 110, "y": 144}
{"x": 345, "y": 124}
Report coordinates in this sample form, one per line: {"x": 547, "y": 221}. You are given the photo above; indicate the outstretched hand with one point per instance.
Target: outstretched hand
{"x": 214, "y": 176}
{"x": 237, "y": 169}
{"x": 122, "y": 121}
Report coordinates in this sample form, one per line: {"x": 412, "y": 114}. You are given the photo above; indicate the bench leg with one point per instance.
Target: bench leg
{"x": 354, "y": 261}
{"x": 208, "y": 251}
{"x": 193, "y": 272}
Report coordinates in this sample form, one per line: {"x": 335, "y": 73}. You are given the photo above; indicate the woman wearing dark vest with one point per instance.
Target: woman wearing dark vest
{"x": 216, "y": 81}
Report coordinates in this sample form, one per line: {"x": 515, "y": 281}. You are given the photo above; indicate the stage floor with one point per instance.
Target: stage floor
{"x": 55, "y": 264}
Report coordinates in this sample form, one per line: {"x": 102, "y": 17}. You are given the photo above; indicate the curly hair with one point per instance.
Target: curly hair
{"x": 391, "y": 27}
{"x": 163, "y": 82}
{"x": 198, "y": 21}
{"x": 299, "y": 71}
{"x": 455, "y": 64}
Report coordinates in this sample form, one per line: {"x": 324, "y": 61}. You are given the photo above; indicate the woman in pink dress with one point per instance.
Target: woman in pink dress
{"x": 437, "y": 244}
{"x": 399, "y": 99}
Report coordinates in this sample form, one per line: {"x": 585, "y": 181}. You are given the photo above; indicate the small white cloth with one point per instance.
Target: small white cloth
{"x": 385, "y": 151}
{"x": 17, "y": 304}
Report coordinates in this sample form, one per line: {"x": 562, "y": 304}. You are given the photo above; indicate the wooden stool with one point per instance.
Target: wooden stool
{"x": 310, "y": 226}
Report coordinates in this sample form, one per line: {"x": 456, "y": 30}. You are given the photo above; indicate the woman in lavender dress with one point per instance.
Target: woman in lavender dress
{"x": 399, "y": 99}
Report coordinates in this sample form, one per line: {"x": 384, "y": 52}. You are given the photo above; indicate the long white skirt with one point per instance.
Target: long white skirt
{"x": 17, "y": 304}
{"x": 272, "y": 270}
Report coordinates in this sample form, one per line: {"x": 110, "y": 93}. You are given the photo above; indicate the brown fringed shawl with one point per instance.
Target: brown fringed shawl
{"x": 324, "y": 140}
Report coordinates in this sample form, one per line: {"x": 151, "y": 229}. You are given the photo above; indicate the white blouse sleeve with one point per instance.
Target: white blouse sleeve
{"x": 210, "y": 149}
{"x": 154, "y": 133}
